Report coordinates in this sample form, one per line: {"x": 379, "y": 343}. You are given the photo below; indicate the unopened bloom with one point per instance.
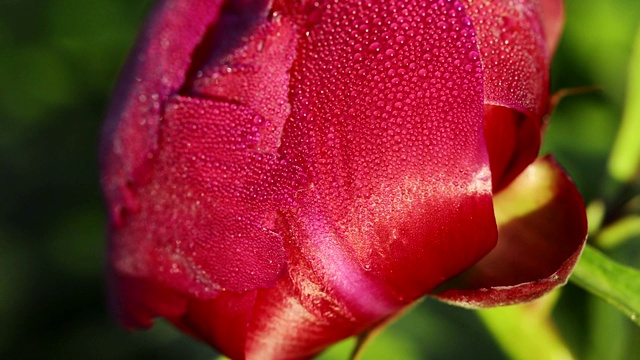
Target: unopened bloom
{"x": 284, "y": 174}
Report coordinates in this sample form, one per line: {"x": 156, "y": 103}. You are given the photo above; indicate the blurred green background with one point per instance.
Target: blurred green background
{"x": 58, "y": 62}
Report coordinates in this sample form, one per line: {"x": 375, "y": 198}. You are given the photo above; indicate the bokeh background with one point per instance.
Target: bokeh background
{"x": 58, "y": 62}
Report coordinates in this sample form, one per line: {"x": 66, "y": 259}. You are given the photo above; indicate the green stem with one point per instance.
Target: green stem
{"x": 624, "y": 160}
{"x": 625, "y": 156}
{"x": 619, "y": 232}
{"x": 526, "y": 331}
{"x": 615, "y": 283}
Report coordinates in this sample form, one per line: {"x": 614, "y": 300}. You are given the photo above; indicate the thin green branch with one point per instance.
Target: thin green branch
{"x": 624, "y": 161}
{"x": 615, "y": 283}
{"x": 526, "y": 331}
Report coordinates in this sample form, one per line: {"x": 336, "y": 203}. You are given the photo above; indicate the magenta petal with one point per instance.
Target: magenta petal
{"x": 552, "y": 15}
{"x": 223, "y": 321}
{"x": 542, "y": 229}
{"x": 205, "y": 221}
{"x": 156, "y": 69}
{"x": 388, "y": 127}
{"x": 285, "y": 327}
{"x": 515, "y": 53}
{"x": 250, "y": 67}
{"x": 307, "y": 311}
{"x": 284, "y": 174}
{"x": 516, "y": 40}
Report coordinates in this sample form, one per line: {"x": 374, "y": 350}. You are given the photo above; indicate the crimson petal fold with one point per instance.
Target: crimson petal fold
{"x": 388, "y": 128}
{"x": 206, "y": 219}
{"x": 513, "y": 142}
{"x": 155, "y": 70}
{"x": 515, "y": 52}
{"x": 542, "y": 229}
{"x": 282, "y": 175}
{"x": 516, "y": 40}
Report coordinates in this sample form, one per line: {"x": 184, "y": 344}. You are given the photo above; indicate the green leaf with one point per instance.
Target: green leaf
{"x": 615, "y": 283}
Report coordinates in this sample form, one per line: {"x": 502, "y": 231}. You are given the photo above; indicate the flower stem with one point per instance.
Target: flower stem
{"x": 617, "y": 284}
{"x": 624, "y": 161}
{"x": 526, "y": 331}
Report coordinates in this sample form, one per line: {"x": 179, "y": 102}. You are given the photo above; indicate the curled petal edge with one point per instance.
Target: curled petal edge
{"x": 542, "y": 229}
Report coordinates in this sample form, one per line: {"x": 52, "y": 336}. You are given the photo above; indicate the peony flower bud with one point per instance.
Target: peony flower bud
{"x": 281, "y": 175}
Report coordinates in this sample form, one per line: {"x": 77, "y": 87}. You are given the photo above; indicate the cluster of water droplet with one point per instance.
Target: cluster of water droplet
{"x": 384, "y": 98}
{"x": 515, "y": 55}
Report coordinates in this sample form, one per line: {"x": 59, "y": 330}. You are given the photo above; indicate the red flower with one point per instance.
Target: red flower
{"x": 284, "y": 174}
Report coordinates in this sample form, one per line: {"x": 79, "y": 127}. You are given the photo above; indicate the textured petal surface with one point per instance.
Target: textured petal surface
{"x": 514, "y": 52}
{"x": 156, "y": 69}
{"x": 194, "y": 184}
{"x": 516, "y": 40}
{"x": 250, "y": 67}
{"x": 281, "y": 176}
{"x": 205, "y": 221}
{"x": 542, "y": 229}
{"x": 222, "y": 322}
{"x": 393, "y": 172}
{"x": 305, "y": 312}
{"x": 286, "y": 328}
{"x": 388, "y": 109}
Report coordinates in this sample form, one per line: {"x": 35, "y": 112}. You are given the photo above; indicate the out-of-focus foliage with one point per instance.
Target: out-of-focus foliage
{"x": 60, "y": 59}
